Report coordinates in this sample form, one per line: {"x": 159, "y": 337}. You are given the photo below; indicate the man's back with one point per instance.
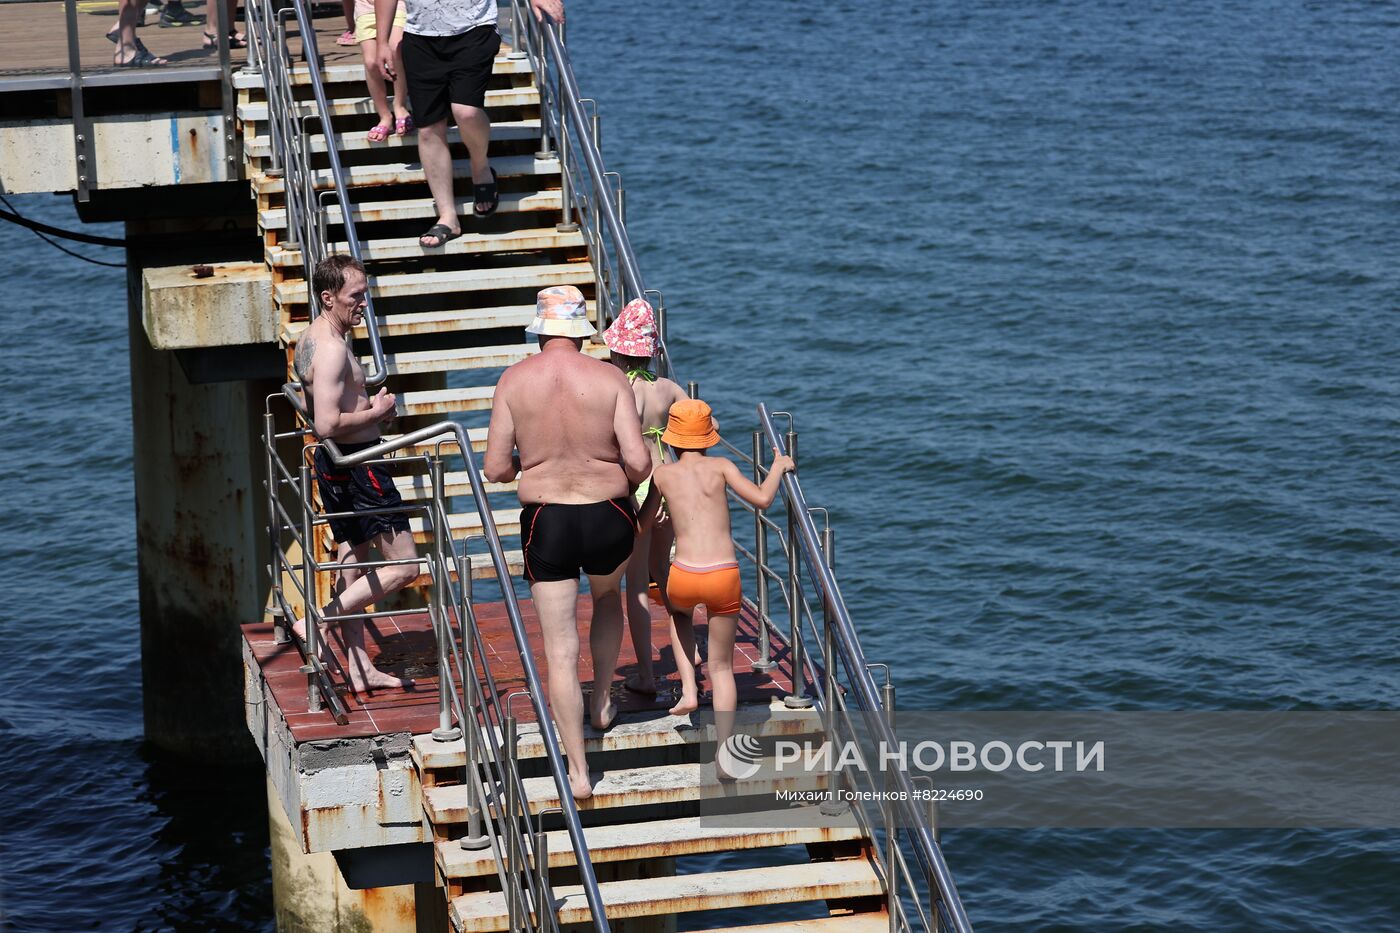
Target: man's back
{"x": 564, "y": 410}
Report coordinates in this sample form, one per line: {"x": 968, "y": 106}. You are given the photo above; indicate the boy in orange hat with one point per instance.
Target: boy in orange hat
{"x": 705, "y": 571}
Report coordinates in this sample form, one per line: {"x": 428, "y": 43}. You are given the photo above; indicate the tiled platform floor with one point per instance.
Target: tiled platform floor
{"x": 403, "y": 645}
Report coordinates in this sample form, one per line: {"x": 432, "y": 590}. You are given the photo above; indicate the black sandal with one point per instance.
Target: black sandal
{"x": 142, "y": 59}
{"x": 442, "y": 233}
{"x": 486, "y": 193}
{"x": 235, "y": 41}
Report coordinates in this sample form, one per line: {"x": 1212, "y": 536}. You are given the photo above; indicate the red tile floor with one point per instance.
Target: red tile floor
{"x": 403, "y": 645}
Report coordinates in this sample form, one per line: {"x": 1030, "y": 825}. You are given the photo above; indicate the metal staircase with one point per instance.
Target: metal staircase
{"x": 513, "y": 850}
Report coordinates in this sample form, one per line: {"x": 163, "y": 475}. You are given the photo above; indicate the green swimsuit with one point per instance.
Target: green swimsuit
{"x": 654, "y": 433}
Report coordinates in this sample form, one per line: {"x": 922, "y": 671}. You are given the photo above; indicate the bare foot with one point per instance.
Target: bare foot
{"x": 639, "y": 684}
{"x": 602, "y": 719}
{"x": 327, "y": 656}
{"x": 580, "y": 786}
{"x": 688, "y": 703}
{"x": 376, "y": 679}
{"x": 723, "y": 776}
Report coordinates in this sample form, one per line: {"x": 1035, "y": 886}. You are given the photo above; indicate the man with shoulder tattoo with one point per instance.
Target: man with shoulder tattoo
{"x": 342, "y": 410}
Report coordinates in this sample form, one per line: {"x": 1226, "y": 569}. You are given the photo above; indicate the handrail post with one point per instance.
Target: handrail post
{"x": 280, "y": 625}
{"x": 692, "y": 389}
{"x": 308, "y": 580}
{"x": 796, "y": 698}
{"x": 760, "y": 551}
{"x": 566, "y": 194}
{"x": 517, "y": 50}
{"x": 445, "y": 731}
{"x": 891, "y": 826}
{"x": 829, "y": 623}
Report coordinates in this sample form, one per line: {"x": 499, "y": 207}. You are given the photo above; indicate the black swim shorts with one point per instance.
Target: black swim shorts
{"x": 560, "y": 540}
{"x": 358, "y": 489}
{"x": 445, "y": 70}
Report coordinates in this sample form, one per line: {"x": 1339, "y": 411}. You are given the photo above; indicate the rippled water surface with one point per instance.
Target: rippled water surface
{"x": 1087, "y": 312}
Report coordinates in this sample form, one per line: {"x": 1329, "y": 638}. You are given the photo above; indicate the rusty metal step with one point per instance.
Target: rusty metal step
{"x": 407, "y": 173}
{"x": 631, "y": 787}
{"x": 260, "y": 147}
{"x": 459, "y": 280}
{"x": 647, "y": 897}
{"x": 436, "y": 322}
{"x": 465, "y": 524}
{"x": 445, "y": 401}
{"x": 436, "y": 361}
{"x": 763, "y": 720}
{"x": 512, "y": 202}
{"x": 256, "y": 112}
{"x": 872, "y": 922}
{"x": 692, "y": 835}
{"x": 469, "y": 243}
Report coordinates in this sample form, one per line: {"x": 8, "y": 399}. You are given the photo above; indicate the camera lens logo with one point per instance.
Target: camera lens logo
{"x": 739, "y": 756}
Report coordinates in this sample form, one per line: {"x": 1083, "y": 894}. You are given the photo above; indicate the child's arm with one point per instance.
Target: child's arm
{"x": 751, "y": 492}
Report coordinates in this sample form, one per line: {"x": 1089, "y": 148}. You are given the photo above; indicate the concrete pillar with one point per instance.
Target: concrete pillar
{"x": 310, "y": 894}
{"x": 199, "y": 538}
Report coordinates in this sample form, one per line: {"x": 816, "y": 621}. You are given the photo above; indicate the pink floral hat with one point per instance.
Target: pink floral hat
{"x": 634, "y": 331}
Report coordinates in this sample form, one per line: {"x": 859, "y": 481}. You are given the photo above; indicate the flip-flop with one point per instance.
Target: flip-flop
{"x": 486, "y": 193}
{"x": 346, "y": 38}
{"x": 379, "y": 132}
{"x": 405, "y": 125}
{"x": 442, "y": 232}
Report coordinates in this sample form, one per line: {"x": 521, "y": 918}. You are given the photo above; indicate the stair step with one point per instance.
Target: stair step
{"x": 260, "y": 147}
{"x": 482, "y": 568}
{"x": 352, "y": 71}
{"x": 467, "y": 244}
{"x": 457, "y": 280}
{"x": 475, "y": 436}
{"x": 445, "y": 401}
{"x": 761, "y": 720}
{"x": 512, "y": 202}
{"x": 629, "y": 787}
{"x": 692, "y": 835}
{"x": 644, "y": 897}
{"x": 256, "y": 112}
{"x": 454, "y": 483}
{"x": 464, "y": 524}
{"x": 437, "y": 322}
{"x": 408, "y": 173}
{"x": 436, "y": 361}
{"x": 872, "y": 922}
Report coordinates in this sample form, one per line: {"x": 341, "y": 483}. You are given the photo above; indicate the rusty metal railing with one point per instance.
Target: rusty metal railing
{"x": 470, "y": 705}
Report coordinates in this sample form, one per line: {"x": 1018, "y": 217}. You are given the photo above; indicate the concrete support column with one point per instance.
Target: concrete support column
{"x": 199, "y": 538}
{"x": 310, "y": 894}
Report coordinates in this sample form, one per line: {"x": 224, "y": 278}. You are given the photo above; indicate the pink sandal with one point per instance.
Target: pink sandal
{"x": 404, "y": 125}
{"x": 347, "y": 38}
{"x": 379, "y": 132}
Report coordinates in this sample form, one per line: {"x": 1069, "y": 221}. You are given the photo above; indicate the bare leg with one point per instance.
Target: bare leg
{"x": 378, "y": 93}
{"x": 662, "y": 535}
{"x": 347, "y": 557}
{"x": 639, "y": 616}
{"x": 348, "y": 8}
{"x": 604, "y": 644}
{"x": 128, "y": 12}
{"x": 555, "y": 604}
{"x": 725, "y": 695}
{"x": 437, "y": 166}
{"x": 476, "y": 134}
{"x": 401, "y": 85}
{"x": 683, "y": 647}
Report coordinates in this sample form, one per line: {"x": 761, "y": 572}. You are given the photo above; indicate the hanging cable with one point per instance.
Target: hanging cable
{"x": 39, "y": 230}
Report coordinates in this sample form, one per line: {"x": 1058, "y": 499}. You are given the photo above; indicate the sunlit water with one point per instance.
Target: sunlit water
{"x": 1086, "y": 311}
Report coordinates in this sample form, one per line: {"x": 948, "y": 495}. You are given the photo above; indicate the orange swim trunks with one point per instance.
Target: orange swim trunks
{"x": 717, "y": 588}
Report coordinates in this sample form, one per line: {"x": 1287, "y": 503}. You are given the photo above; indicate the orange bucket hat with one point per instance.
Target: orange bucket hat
{"x": 690, "y": 426}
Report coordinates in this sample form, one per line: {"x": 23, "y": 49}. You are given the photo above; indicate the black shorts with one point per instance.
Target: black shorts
{"x": 445, "y": 70}
{"x": 560, "y": 540}
{"x": 358, "y": 489}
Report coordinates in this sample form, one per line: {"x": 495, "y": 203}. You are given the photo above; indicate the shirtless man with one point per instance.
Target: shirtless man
{"x": 632, "y": 340}
{"x": 581, "y": 453}
{"x": 342, "y": 410}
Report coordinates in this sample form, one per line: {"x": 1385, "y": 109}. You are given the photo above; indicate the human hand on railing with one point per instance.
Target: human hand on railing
{"x": 782, "y": 463}
{"x": 383, "y": 404}
{"x": 554, "y": 9}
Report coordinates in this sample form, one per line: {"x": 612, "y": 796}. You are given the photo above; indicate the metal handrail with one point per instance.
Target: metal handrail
{"x": 549, "y": 737}
{"x": 307, "y": 210}
{"x": 842, "y": 630}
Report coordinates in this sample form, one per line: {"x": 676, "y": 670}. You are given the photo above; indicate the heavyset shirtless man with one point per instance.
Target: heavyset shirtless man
{"x": 342, "y": 410}
{"x": 573, "y": 420}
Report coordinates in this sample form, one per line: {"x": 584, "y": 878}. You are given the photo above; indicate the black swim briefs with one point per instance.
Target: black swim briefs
{"x": 358, "y": 489}
{"x": 445, "y": 70}
{"x": 560, "y": 540}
